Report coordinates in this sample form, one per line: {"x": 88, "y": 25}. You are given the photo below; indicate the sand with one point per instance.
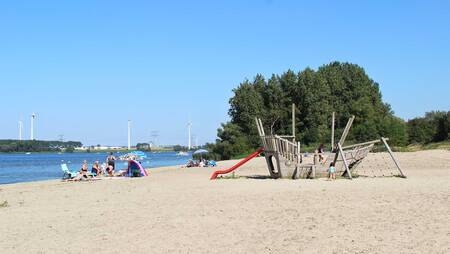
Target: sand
{"x": 178, "y": 210}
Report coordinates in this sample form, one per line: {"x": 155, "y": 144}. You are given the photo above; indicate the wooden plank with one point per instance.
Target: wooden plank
{"x": 363, "y": 144}
{"x": 313, "y": 172}
{"x": 344, "y": 160}
{"x": 284, "y": 140}
{"x": 257, "y": 126}
{"x": 346, "y": 130}
{"x": 392, "y": 156}
{"x": 262, "y": 127}
{"x": 293, "y": 120}
{"x": 332, "y": 130}
{"x": 288, "y": 151}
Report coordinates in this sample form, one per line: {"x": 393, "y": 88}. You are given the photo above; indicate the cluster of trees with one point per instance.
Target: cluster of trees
{"x": 343, "y": 88}
{"x": 433, "y": 127}
{"x": 143, "y": 147}
{"x": 37, "y": 146}
{"x": 178, "y": 148}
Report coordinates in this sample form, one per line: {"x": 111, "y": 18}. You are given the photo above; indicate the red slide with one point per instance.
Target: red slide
{"x": 242, "y": 162}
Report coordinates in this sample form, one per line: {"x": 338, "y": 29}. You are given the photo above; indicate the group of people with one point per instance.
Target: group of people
{"x": 107, "y": 169}
{"x": 200, "y": 163}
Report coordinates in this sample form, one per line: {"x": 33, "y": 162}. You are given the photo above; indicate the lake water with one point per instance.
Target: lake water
{"x": 16, "y": 168}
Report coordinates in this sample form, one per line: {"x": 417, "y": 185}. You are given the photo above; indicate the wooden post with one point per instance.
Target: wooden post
{"x": 392, "y": 156}
{"x": 344, "y": 136}
{"x": 346, "y": 130}
{"x": 344, "y": 160}
{"x": 262, "y": 127}
{"x": 257, "y": 125}
{"x": 332, "y": 131}
{"x": 293, "y": 121}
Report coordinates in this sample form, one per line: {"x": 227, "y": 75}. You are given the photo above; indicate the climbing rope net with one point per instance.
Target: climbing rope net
{"x": 363, "y": 162}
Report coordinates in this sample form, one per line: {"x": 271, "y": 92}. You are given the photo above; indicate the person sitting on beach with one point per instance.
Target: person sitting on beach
{"x": 189, "y": 164}
{"x": 82, "y": 174}
{"x": 332, "y": 171}
{"x": 96, "y": 169}
{"x": 110, "y": 161}
{"x": 84, "y": 169}
{"x": 110, "y": 170}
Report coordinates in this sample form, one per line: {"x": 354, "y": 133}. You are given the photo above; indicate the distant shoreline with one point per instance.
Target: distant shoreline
{"x": 91, "y": 151}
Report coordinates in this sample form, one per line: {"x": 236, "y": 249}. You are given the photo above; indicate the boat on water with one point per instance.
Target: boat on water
{"x": 28, "y": 153}
{"x": 135, "y": 155}
{"x": 181, "y": 153}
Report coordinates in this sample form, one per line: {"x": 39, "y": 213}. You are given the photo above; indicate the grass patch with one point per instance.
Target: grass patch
{"x": 240, "y": 156}
{"x": 4, "y": 204}
{"x": 443, "y": 145}
{"x": 229, "y": 176}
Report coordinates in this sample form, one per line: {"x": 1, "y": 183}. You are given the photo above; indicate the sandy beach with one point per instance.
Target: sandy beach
{"x": 179, "y": 210}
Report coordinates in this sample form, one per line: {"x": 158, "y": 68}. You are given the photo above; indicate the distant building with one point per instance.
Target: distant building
{"x": 99, "y": 148}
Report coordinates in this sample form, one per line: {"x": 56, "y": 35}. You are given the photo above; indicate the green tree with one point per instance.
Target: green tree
{"x": 344, "y": 88}
{"x": 315, "y": 108}
{"x": 231, "y": 142}
{"x": 434, "y": 126}
{"x": 274, "y": 104}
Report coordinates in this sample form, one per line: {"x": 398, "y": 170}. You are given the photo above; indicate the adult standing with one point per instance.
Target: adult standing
{"x": 320, "y": 152}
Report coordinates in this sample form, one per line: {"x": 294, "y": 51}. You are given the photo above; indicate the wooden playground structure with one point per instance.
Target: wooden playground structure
{"x": 285, "y": 159}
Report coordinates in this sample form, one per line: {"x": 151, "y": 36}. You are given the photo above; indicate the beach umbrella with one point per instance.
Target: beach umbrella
{"x": 140, "y": 154}
{"x": 201, "y": 152}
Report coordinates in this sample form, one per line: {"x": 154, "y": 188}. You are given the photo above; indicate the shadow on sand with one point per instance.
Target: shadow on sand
{"x": 259, "y": 177}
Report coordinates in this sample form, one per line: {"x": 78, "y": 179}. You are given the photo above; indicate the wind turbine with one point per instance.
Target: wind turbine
{"x": 129, "y": 134}
{"x": 155, "y": 135}
{"x": 189, "y": 134}
{"x": 33, "y": 116}
{"x": 20, "y": 129}
{"x": 195, "y": 140}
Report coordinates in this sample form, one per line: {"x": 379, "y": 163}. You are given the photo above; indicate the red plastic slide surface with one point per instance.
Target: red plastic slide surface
{"x": 242, "y": 162}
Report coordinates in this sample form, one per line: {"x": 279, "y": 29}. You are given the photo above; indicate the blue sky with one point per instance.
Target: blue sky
{"x": 86, "y": 67}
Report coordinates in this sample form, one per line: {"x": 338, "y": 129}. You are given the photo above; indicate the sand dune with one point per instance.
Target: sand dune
{"x": 182, "y": 211}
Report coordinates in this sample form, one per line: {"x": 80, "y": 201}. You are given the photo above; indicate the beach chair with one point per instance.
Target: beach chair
{"x": 67, "y": 174}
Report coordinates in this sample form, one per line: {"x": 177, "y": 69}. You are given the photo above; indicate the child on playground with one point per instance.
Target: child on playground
{"x": 320, "y": 152}
{"x": 332, "y": 171}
